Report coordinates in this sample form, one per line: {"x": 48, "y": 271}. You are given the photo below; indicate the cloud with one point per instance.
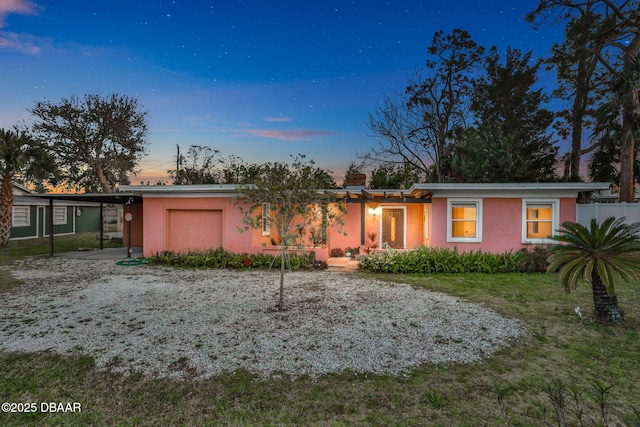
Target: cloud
{"x": 24, "y": 43}
{"x": 19, "y": 7}
{"x": 277, "y": 119}
{"x": 290, "y": 135}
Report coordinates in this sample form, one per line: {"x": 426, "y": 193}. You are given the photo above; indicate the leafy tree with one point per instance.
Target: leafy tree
{"x": 581, "y": 79}
{"x": 97, "y": 141}
{"x": 510, "y": 141}
{"x": 23, "y": 160}
{"x": 394, "y": 176}
{"x": 294, "y": 192}
{"x": 618, "y": 25}
{"x": 605, "y": 161}
{"x": 416, "y": 128}
{"x": 201, "y": 165}
{"x": 603, "y": 254}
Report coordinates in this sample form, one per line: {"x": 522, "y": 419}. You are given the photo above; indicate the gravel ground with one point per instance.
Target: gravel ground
{"x": 198, "y": 323}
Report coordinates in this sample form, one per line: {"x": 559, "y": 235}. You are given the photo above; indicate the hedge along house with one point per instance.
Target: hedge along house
{"x": 493, "y": 217}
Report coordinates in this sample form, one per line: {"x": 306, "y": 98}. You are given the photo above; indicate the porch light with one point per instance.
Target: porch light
{"x": 374, "y": 211}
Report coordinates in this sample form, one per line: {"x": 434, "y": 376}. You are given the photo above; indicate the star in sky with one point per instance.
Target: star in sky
{"x": 260, "y": 80}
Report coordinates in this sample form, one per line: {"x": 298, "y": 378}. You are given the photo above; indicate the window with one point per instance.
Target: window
{"x": 540, "y": 220}
{"x": 20, "y": 216}
{"x": 464, "y": 220}
{"x": 59, "y": 215}
{"x": 265, "y": 217}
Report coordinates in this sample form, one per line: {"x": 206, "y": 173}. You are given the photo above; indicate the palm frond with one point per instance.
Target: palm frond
{"x": 611, "y": 248}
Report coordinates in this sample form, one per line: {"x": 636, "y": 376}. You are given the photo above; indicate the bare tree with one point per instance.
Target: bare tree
{"x": 416, "y": 128}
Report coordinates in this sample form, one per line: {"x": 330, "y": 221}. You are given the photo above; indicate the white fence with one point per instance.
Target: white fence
{"x": 601, "y": 211}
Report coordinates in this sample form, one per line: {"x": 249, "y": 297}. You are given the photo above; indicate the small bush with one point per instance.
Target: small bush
{"x": 534, "y": 259}
{"x": 440, "y": 260}
{"x": 219, "y": 258}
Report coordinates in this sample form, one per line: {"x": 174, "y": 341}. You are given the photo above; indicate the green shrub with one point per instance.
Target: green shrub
{"x": 440, "y": 260}
{"x": 219, "y": 258}
{"x": 534, "y": 259}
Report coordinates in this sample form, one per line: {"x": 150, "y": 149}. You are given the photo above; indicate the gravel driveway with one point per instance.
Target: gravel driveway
{"x": 198, "y": 323}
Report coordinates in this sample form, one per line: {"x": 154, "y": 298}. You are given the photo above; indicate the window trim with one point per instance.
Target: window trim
{"x": 451, "y": 203}
{"x": 555, "y": 219}
{"x": 27, "y": 222}
{"x": 57, "y": 215}
{"x": 265, "y": 218}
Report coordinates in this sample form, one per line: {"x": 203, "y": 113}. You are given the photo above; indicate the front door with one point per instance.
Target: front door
{"x": 393, "y": 227}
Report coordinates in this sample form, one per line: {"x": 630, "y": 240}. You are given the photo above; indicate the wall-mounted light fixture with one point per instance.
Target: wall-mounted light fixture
{"x": 373, "y": 210}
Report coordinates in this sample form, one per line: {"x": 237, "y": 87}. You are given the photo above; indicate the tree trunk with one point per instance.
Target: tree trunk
{"x": 627, "y": 181}
{"x": 606, "y": 306}
{"x": 281, "y": 296}
{"x": 629, "y": 113}
{"x": 577, "y": 115}
{"x": 106, "y": 186}
{"x": 6, "y": 211}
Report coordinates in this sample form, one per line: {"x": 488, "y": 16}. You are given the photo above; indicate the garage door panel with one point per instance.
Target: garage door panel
{"x": 189, "y": 230}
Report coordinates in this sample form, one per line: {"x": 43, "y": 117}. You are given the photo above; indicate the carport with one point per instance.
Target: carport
{"x": 132, "y": 203}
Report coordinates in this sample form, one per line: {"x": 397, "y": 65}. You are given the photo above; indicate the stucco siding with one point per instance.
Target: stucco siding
{"x": 156, "y": 224}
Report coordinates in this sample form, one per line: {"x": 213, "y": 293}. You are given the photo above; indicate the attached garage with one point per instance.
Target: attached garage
{"x": 190, "y": 230}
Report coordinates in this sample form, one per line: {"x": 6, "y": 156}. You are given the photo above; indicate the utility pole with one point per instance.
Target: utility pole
{"x": 177, "y": 164}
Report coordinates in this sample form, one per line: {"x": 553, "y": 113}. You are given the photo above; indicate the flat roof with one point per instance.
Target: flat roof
{"x": 418, "y": 193}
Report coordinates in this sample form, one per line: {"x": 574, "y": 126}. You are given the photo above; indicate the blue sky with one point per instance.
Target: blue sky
{"x": 261, "y": 80}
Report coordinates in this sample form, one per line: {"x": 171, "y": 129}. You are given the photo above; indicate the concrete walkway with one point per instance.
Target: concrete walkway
{"x": 107, "y": 253}
{"x": 342, "y": 264}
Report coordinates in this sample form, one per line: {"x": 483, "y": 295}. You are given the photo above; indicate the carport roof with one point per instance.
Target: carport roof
{"x": 112, "y": 198}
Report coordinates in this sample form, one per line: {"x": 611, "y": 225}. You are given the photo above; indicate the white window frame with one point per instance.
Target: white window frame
{"x": 59, "y": 215}
{"x": 451, "y": 203}
{"x": 555, "y": 219}
{"x": 265, "y": 218}
{"x": 21, "y": 216}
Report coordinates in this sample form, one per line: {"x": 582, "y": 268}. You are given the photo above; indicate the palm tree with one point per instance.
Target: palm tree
{"x": 603, "y": 254}
{"x": 20, "y": 157}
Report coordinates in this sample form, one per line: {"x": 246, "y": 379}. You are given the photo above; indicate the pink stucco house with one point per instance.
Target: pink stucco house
{"x": 492, "y": 217}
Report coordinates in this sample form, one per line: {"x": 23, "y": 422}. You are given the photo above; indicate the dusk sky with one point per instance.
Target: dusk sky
{"x": 261, "y": 80}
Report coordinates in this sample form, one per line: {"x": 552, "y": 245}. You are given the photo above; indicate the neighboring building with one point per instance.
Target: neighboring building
{"x": 29, "y": 216}
{"x": 492, "y": 217}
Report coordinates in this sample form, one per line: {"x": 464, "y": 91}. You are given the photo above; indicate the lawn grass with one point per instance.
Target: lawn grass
{"x": 30, "y": 247}
{"x": 559, "y": 374}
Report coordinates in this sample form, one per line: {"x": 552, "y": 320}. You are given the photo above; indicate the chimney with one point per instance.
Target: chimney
{"x": 356, "y": 179}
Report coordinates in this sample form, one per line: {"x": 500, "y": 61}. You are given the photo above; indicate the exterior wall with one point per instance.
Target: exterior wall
{"x": 30, "y": 231}
{"x": 501, "y": 224}
{"x": 136, "y": 224}
{"x": 568, "y": 210}
{"x": 155, "y": 222}
{"x": 68, "y": 228}
{"x": 415, "y": 231}
{"x": 351, "y": 229}
{"x": 89, "y": 220}
{"x": 426, "y": 224}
